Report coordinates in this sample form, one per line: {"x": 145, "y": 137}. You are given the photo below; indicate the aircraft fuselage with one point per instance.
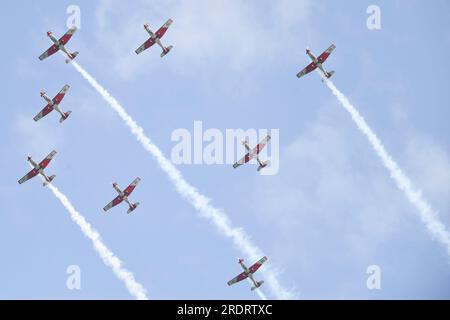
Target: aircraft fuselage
{"x": 248, "y": 273}
{"x": 47, "y": 98}
{"x": 52, "y": 104}
{"x": 315, "y": 60}
{"x": 59, "y": 45}
{"x": 38, "y": 169}
{"x": 155, "y": 38}
{"x": 122, "y": 195}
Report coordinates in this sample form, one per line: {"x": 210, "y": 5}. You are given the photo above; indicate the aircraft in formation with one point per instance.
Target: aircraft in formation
{"x": 252, "y": 153}
{"x": 248, "y": 273}
{"x": 59, "y": 44}
{"x": 123, "y": 196}
{"x": 317, "y": 62}
{"x": 39, "y": 169}
{"x": 53, "y": 104}
{"x": 155, "y": 37}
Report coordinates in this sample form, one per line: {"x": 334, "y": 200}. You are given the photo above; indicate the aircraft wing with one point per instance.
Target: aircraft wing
{"x": 310, "y": 67}
{"x": 47, "y": 109}
{"x": 147, "y": 44}
{"x": 261, "y": 145}
{"x": 161, "y": 31}
{"x": 44, "y": 163}
{"x": 49, "y": 52}
{"x": 66, "y": 37}
{"x": 257, "y": 264}
{"x": 113, "y": 203}
{"x": 58, "y": 98}
{"x": 324, "y": 55}
{"x": 238, "y": 278}
{"x": 128, "y": 190}
{"x": 28, "y": 176}
{"x": 245, "y": 159}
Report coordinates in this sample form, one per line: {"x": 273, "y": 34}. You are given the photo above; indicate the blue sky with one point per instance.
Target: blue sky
{"x": 330, "y": 212}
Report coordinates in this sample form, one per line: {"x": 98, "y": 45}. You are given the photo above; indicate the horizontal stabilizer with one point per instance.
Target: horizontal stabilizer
{"x": 166, "y": 51}
{"x": 50, "y": 179}
{"x": 258, "y": 284}
{"x": 72, "y": 56}
{"x": 133, "y": 206}
{"x": 66, "y": 115}
{"x": 263, "y": 165}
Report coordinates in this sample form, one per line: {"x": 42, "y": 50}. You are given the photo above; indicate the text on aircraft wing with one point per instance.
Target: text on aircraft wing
{"x": 44, "y": 163}
{"x": 261, "y": 145}
{"x": 113, "y": 203}
{"x": 58, "y": 98}
{"x": 47, "y": 109}
{"x": 66, "y": 37}
{"x": 147, "y": 44}
{"x": 28, "y": 176}
{"x": 326, "y": 54}
{"x": 128, "y": 190}
{"x": 257, "y": 264}
{"x": 310, "y": 67}
{"x": 238, "y": 278}
{"x": 54, "y": 48}
{"x": 161, "y": 31}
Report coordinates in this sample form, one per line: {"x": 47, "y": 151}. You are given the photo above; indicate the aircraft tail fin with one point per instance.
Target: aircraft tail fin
{"x": 166, "y": 51}
{"x": 328, "y": 75}
{"x": 133, "y": 206}
{"x": 50, "y": 179}
{"x": 72, "y": 56}
{"x": 66, "y": 115}
{"x": 263, "y": 164}
{"x": 258, "y": 284}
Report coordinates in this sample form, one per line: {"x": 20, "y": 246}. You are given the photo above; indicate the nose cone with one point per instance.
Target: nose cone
{"x": 42, "y": 93}
{"x": 114, "y": 184}
{"x": 29, "y": 158}
{"x": 241, "y": 260}
{"x": 49, "y": 33}
{"x": 145, "y": 26}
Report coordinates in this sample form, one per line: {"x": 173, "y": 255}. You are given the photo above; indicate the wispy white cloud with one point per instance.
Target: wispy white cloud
{"x": 36, "y": 137}
{"x": 320, "y": 185}
{"x": 427, "y": 214}
{"x": 200, "y": 202}
{"x": 108, "y": 257}
{"x": 333, "y": 210}
{"x": 204, "y": 33}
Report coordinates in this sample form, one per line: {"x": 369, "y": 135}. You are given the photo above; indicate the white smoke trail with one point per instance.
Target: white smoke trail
{"x": 260, "y": 294}
{"x": 200, "y": 202}
{"x": 427, "y": 214}
{"x": 108, "y": 257}
{"x": 258, "y": 291}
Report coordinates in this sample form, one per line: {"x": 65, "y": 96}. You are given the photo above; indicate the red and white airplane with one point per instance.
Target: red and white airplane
{"x": 123, "y": 196}
{"x": 53, "y": 104}
{"x": 155, "y": 37}
{"x": 317, "y": 62}
{"x": 254, "y": 153}
{"x": 59, "y": 45}
{"x": 39, "y": 169}
{"x": 248, "y": 273}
